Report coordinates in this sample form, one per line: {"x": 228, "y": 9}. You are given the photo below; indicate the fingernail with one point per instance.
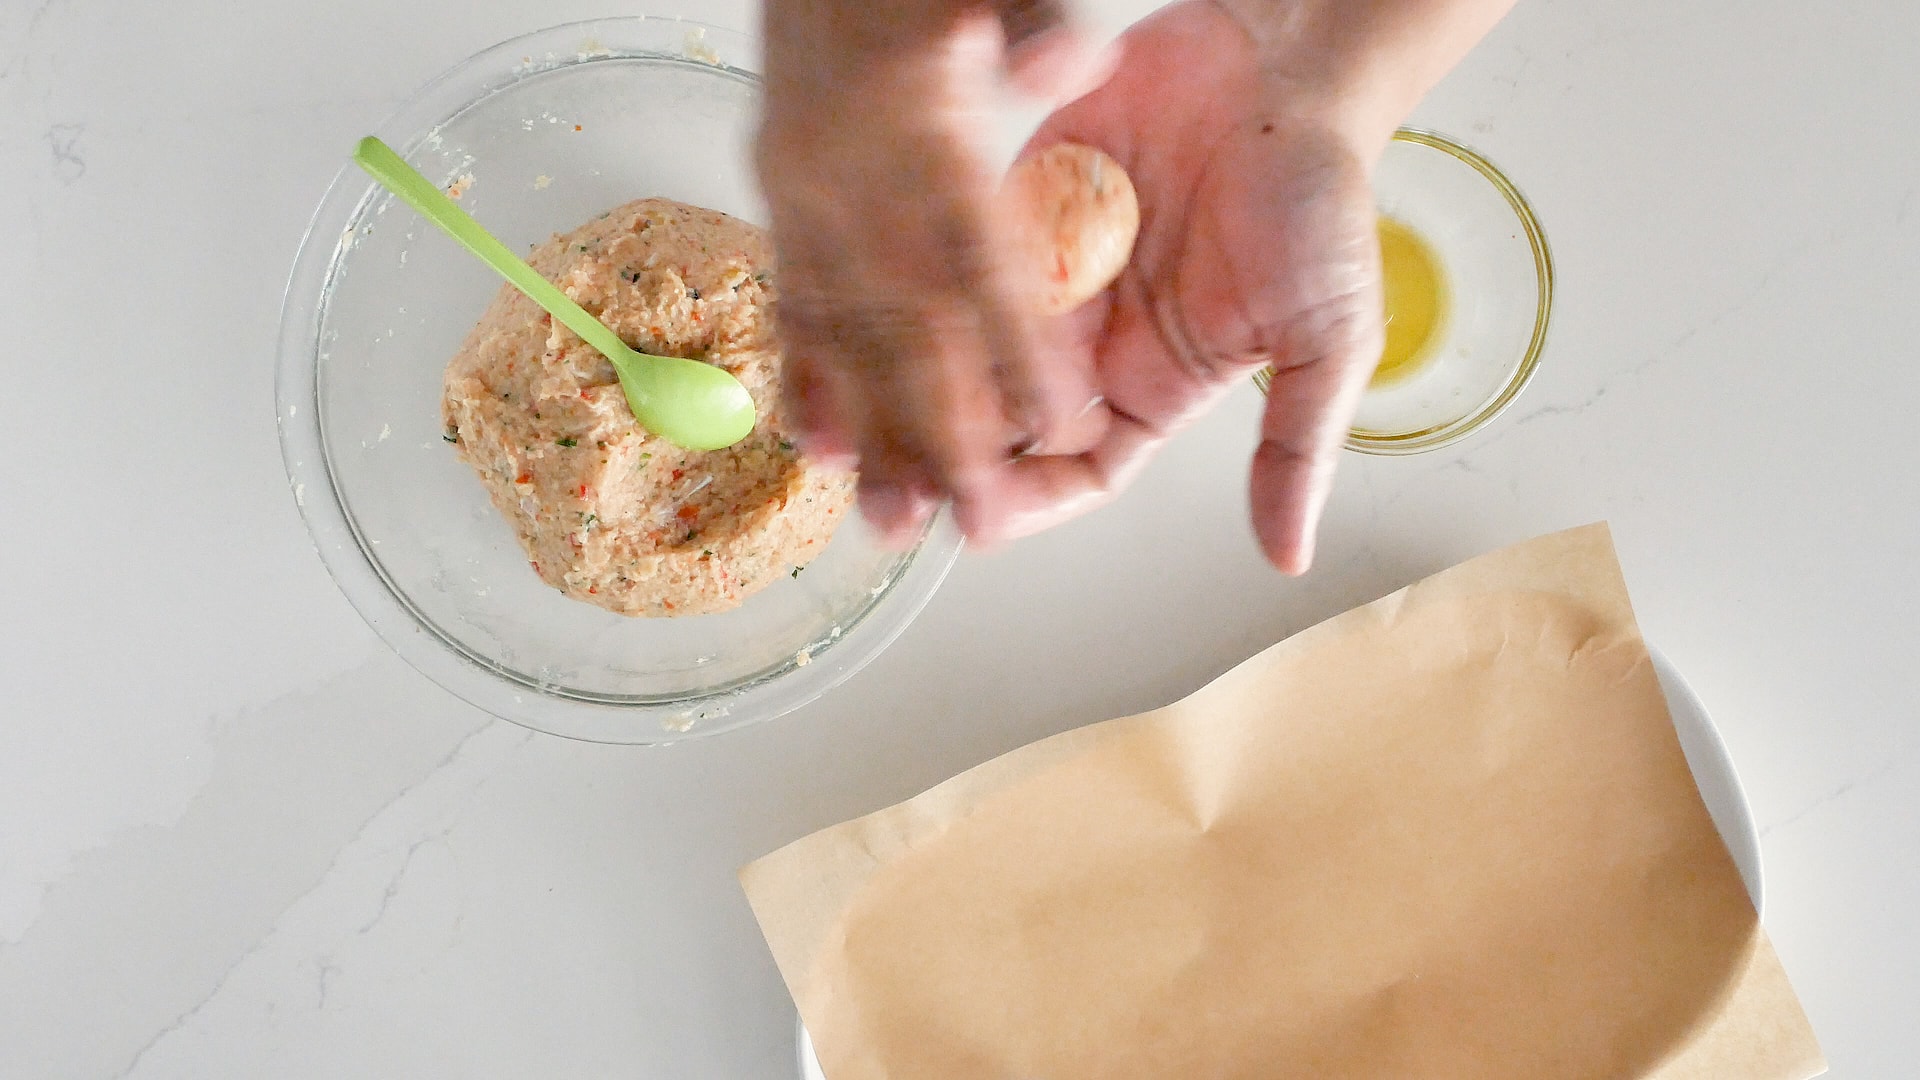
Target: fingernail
{"x": 828, "y": 457}
{"x": 1304, "y": 543}
{"x": 825, "y": 447}
{"x": 983, "y": 529}
{"x": 883, "y": 504}
{"x": 893, "y": 512}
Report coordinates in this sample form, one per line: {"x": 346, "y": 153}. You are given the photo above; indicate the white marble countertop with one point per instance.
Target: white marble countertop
{"x": 239, "y": 838}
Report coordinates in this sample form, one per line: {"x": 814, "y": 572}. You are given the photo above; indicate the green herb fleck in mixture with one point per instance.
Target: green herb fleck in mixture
{"x": 569, "y": 441}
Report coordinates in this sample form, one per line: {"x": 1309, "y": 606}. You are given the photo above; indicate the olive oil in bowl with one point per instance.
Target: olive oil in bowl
{"x": 1415, "y": 285}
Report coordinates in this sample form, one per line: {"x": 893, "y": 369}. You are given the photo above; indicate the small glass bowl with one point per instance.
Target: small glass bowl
{"x": 1499, "y": 272}
{"x": 551, "y": 128}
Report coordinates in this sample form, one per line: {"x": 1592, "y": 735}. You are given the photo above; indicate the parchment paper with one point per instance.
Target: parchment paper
{"x": 1450, "y": 834}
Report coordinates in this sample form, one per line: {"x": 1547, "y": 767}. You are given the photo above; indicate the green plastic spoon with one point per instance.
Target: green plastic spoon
{"x": 688, "y": 403}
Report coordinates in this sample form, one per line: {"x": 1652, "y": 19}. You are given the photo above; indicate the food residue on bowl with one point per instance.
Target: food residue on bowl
{"x": 695, "y": 47}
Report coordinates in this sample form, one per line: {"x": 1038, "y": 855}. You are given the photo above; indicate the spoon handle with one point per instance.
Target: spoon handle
{"x": 406, "y": 183}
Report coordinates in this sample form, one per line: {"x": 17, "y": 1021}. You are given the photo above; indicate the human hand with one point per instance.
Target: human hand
{"x": 1257, "y": 247}
{"x": 910, "y": 350}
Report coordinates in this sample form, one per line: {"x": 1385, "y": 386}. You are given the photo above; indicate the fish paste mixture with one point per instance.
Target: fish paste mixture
{"x": 607, "y": 512}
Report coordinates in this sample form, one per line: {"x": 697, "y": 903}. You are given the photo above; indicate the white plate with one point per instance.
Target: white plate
{"x": 1712, "y": 772}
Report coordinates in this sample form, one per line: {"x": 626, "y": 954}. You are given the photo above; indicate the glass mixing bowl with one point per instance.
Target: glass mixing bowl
{"x": 542, "y": 132}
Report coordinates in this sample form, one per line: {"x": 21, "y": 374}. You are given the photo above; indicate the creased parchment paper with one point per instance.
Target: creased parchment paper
{"x": 1450, "y": 834}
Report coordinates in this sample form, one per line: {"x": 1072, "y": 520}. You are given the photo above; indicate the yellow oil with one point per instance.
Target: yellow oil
{"x": 1417, "y": 301}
